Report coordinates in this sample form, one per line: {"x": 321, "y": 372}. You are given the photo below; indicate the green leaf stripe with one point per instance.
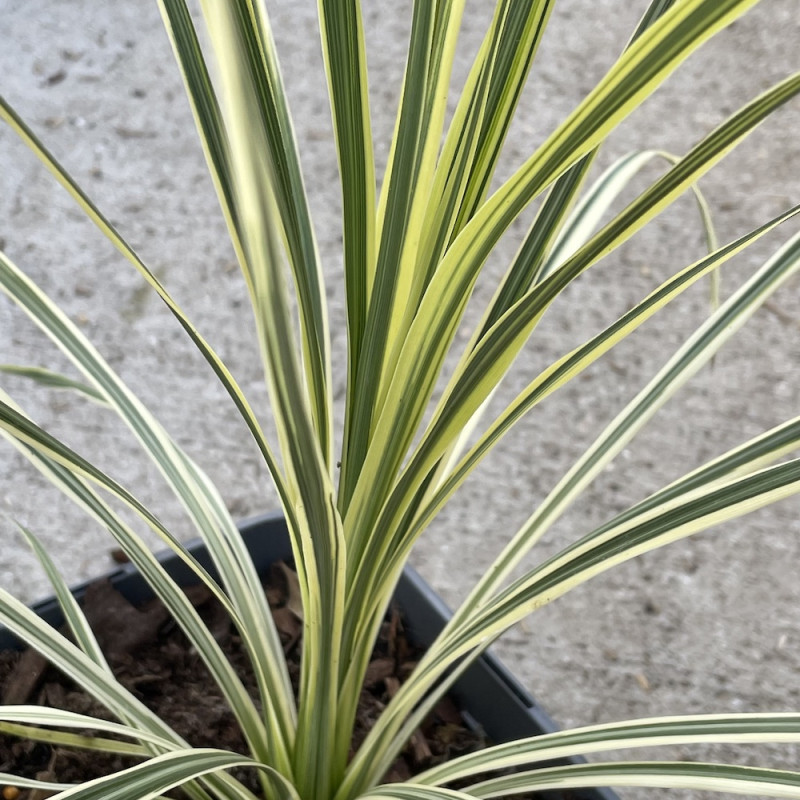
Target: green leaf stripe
{"x": 72, "y": 740}
{"x": 345, "y": 60}
{"x": 649, "y": 774}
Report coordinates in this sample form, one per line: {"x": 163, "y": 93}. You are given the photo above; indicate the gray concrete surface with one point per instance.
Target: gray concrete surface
{"x": 707, "y": 624}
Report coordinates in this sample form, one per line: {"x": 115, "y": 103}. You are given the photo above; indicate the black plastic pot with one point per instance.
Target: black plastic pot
{"x": 487, "y": 693}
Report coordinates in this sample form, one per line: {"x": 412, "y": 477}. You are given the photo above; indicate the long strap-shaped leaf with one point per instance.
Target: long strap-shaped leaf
{"x": 293, "y": 210}
{"x": 264, "y": 661}
{"x": 639, "y": 70}
{"x": 74, "y": 740}
{"x": 530, "y": 259}
{"x": 40, "y": 449}
{"x": 294, "y": 218}
{"x": 53, "y": 380}
{"x": 403, "y": 203}
{"x": 6, "y": 779}
{"x": 412, "y": 791}
{"x": 572, "y": 567}
{"x": 213, "y": 138}
{"x": 480, "y": 620}
{"x": 571, "y": 365}
{"x": 48, "y": 716}
{"x": 224, "y": 785}
{"x": 756, "y": 454}
{"x": 685, "y": 363}
{"x": 344, "y": 51}
{"x": 165, "y": 772}
{"x": 504, "y": 62}
{"x": 8, "y": 115}
{"x": 648, "y": 774}
{"x": 598, "y": 552}
{"x": 73, "y": 614}
{"x": 655, "y": 732}
{"x": 545, "y": 384}
{"x": 194, "y": 491}
{"x": 27, "y": 716}
{"x": 319, "y": 551}
{"x": 480, "y": 368}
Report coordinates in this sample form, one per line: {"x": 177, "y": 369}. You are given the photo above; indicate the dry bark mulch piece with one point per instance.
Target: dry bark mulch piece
{"x": 153, "y": 659}
{"x": 24, "y": 678}
{"x": 121, "y": 628}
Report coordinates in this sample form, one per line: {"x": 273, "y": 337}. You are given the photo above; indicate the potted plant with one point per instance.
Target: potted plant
{"x": 412, "y": 257}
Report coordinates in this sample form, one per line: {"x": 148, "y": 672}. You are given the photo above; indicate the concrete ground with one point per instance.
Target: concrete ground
{"x": 709, "y": 624}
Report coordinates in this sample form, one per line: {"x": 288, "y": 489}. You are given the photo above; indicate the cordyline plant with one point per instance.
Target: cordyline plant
{"x": 412, "y": 256}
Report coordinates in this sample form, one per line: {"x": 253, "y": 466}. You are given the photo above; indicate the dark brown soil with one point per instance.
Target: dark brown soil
{"x": 152, "y": 658}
